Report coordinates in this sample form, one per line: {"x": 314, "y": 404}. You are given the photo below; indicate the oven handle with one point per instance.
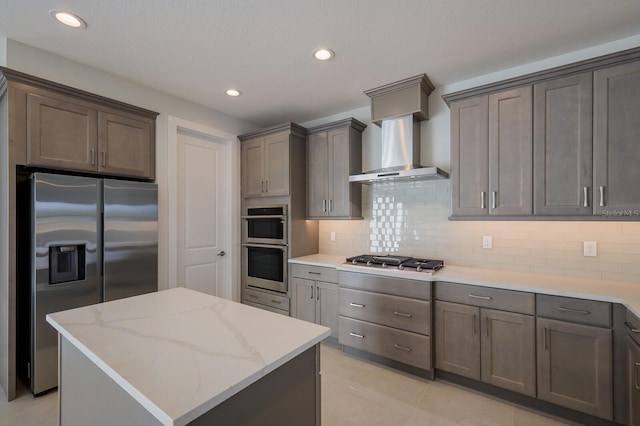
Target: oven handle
{"x": 273, "y": 246}
{"x": 266, "y": 216}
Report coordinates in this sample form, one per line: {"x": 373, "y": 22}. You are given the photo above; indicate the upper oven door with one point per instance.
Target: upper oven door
{"x": 265, "y": 225}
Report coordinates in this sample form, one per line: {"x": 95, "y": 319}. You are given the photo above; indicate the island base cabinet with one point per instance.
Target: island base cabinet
{"x": 574, "y": 366}
{"x": 288, "y": 396}
{"x": 633, "y": 370}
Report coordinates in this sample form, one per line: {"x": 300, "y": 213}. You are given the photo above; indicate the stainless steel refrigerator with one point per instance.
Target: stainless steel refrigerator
{"x": 81, "y": 241}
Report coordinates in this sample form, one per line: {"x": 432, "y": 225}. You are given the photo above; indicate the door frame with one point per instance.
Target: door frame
{"x": 168, "y": 198}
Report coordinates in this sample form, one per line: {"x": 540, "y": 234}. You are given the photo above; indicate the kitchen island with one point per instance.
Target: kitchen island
{"x": 179, "y": 357}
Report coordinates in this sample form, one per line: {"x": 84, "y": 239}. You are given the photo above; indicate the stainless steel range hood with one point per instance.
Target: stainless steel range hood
{"x": 399, "y": 108}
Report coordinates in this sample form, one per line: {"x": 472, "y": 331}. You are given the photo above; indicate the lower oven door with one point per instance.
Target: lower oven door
{"x": 265, "y": 266}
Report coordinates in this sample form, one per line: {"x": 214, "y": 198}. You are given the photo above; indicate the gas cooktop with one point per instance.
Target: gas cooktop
{"x": 398, "y": 262}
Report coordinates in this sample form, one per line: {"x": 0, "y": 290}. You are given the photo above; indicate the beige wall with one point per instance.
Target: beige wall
{"x": 412, "y": 218}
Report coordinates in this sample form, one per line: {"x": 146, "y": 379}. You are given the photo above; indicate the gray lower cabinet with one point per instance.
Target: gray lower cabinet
{"x": 315, "y": 301}
{"x": 562, "y": 146}
{"x": 334, "y": 151}
{"x": 616, "y": 132}
{"x": 494, "y": 346}
{"x": 386, "y": 316}
{"x": 633, "y": 371}
{"x": 574, "y": 366}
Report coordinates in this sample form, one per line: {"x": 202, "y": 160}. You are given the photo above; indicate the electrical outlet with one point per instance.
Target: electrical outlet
{"x": 487, "y": 242}
{"x": 333, "y": 235}
{"x": 590, "y": 248}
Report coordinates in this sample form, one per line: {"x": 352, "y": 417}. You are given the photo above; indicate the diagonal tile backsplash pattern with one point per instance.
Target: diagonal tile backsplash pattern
{"x": 411, "y": 218}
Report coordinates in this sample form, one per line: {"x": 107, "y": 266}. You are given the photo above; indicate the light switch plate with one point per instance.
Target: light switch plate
{"x": 590, "y": 248}
{"x": 487, "y": 242}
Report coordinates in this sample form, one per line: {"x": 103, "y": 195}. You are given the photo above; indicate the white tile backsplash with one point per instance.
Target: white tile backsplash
{"x": 412, "y": 218}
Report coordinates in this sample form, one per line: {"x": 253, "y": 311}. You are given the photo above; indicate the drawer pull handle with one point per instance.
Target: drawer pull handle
{"x": 356, "y": 305}
{"x": 277, "y": 302}
{"x": 253, "y": 296}
{"x": 402, "y": 314}
{"x": 315, "y": 273}
{"x": 473, "y": 296}
{"x": 402, "y": 348}
{"x": 631, "y": 327}
{"x": 573, "y": 311}
{"x": 359, "y": 336}
{"x": 637, "y": 364}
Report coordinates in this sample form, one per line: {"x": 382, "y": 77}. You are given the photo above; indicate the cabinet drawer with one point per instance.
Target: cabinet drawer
{"x": 486, "y": 297}
{"x": 316, "y": 273}
{"x": 633, "y": 326}
{"x": 415, "y": 289}
{"x": 402, "y": 346}
{"x": 581, "y": 311}
{"x": 266, "y": 308}
{"x": 393, "y": 311}
{"x": 272, "y": 300}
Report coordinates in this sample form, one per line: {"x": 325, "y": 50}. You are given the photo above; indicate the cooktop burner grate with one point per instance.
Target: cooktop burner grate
{"x": 400, "y": 262}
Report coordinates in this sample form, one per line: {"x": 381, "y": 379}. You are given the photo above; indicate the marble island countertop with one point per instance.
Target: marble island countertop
{"x": 180, "y": 353}
{"x": 625, "y": 293}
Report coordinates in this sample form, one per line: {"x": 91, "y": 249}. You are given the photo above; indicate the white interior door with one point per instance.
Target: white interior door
{"x": 203, "y": 213}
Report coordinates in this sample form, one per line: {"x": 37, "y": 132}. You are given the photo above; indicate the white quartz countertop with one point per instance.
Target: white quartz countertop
{"x": 179, "y": 352}
{"x": 626, "y": 293}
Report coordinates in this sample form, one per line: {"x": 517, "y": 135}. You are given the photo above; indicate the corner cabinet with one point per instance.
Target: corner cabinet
{"x": 491, "y": 152}
{"x": 68, "y": 129}
{"x": 266, "y": 160}
{"x": 334, "y": 151}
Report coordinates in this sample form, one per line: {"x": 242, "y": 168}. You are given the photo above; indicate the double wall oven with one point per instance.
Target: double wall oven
{"x": 264, "y": 248}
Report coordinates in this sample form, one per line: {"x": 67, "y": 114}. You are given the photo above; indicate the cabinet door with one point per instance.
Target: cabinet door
{"x": 276, "y": 178}
{"x": 616, "y": 127}
{"x": 61, "y": 134}
{"x": 509, "y": 350}
{"x": 510, "y": 152}
{"x": 304, "y": 299}
{"x": 469, "y": 157}
{"x": 633, "y": 371}
{"x": 562, "y": 144}
{"x": 317, "y": 175}
{"x": 327, "y": 306}
{"x": 126, "y": 145}
{"x": 339, "y": 188}
{"x": 457, "y": 329}
{"x": 574, "y": 366}
{"x": 253, "y": 168}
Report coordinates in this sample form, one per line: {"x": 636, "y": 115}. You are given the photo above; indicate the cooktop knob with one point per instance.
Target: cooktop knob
{"x": 369, "y": 263}
{"x": 401, "y": 267}
{"x": 419, "y": 268}
{"x": 384, "y": 265}
{"x": 355, "y": 262}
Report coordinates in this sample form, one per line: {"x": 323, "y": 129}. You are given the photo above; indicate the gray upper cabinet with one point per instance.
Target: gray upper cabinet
{"x": 562, "y": 144}
{"x": 491, "y": 154}
{"x": 265, "y": 166}
{"x": 267, "y": 158}
{"x": 70, "y": 133}
{"x": 510, "y": 152}
{"x": 469, "y": 156}
{"x": 616, "y": 140}
{"x": 334, "y": 151}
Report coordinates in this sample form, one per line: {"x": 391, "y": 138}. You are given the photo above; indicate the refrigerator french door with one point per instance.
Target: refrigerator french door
{"x": 85, "y": 241}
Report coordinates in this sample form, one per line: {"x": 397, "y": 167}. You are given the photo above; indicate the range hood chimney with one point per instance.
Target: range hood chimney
{"x": 399, "y": 108}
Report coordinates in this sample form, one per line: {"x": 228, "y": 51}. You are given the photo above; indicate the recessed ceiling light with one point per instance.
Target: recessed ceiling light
{"x": 69, "y": 19}
{"x": 323, "y": 54}
{"x": 233, "y": 92}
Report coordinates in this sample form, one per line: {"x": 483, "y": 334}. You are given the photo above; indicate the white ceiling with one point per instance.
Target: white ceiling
{"x": 196, "y": 49}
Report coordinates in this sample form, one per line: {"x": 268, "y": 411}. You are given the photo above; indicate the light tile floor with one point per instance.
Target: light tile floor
{"x": 354, "y": 392}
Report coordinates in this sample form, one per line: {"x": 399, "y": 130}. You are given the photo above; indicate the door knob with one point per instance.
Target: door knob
{"x": 222, "y": 253}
